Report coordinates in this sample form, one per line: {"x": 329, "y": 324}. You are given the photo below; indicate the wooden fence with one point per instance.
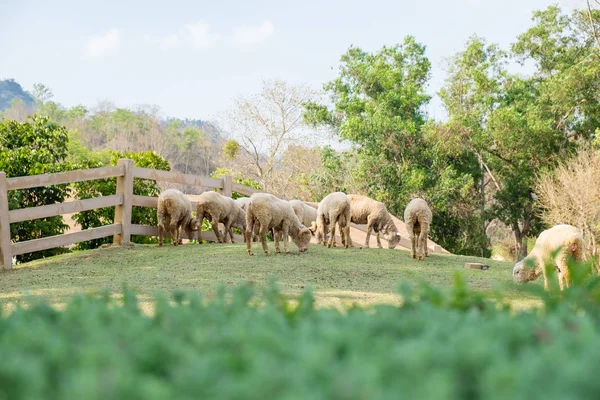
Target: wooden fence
{"x": 123, "y": 201}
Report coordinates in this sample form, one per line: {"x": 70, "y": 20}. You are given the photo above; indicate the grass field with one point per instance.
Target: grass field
{"x": 339, "y": 277}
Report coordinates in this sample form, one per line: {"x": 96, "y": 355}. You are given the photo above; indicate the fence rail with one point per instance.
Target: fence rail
{"x": 123, "y": 201}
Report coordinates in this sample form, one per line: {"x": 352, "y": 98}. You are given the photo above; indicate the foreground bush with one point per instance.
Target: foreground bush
{"x": 436, "y": 346}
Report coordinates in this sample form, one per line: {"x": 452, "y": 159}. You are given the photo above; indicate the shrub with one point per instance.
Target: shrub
{"x": 37, "y": 146}
{"x": 437, "y": 345}
{"x": 105, "y": 187}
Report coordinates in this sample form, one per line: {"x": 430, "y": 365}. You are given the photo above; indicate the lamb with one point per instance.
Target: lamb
{"x": 174, "y": 211}
{"x": 334, "y": 209}
{"x": 566, "y": 237}
{"x": 374, "y": 213}
{"x": 417, "y": 217}
{"x": 272, "y": 212}
{"x": 305, "y": 213}
{"x": 219, "y": 208}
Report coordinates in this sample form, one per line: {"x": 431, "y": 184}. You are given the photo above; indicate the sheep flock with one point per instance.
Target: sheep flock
{"x": 263, "y": 213}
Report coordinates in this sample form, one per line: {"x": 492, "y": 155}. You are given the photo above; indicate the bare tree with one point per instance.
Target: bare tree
{"x": 571, "y": 195}
{"x": 265, "y": 125}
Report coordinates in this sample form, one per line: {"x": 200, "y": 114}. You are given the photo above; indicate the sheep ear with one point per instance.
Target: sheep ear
{"x": 313, "y": 227}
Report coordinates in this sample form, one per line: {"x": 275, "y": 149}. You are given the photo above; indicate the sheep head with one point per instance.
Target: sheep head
{"x": 393, "y": 240}
{"x": 302, "y": 239}
{"x": 525, "y": 271}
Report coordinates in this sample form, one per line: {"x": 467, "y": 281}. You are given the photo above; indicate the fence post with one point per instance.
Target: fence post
{"x": 227, "y": 186}
{"x": 123, "y": 212}
{"x": 4, "y": 224}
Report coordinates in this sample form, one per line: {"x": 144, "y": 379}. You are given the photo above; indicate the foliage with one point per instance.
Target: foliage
{"x": 438, "y": 344}
{"x": 37, "y": 146}
{"x": 378, "y": 102}
{"x": 106, "y": 187}
{"x": 571, "y": 194}
{"x": 231, "y": 149}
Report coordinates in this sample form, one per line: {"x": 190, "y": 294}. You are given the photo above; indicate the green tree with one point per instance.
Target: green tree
{"x": 37, "y": 146}
{"x": 378, "y": 104}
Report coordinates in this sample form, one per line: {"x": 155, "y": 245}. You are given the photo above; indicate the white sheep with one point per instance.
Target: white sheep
{"x": 334, "y": 209}
{"x": 273, "y": 213}
{"x": 417, "y": 217}
{"x": 566, "y": 237}
{"x": 374, "y": 213}
{"x": 218, "y": 208}
{"x": 174, "y": 211}
{"x": 305, "y": 213}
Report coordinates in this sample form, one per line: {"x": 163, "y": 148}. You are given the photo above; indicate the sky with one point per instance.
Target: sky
{"x": 192, "y": 58}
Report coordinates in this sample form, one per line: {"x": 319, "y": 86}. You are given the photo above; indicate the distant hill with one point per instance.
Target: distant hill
{"x": 9, "y": 90}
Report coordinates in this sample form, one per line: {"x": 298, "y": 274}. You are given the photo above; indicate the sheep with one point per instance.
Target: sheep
{"x": 417, "y": 217}
{"x": 566, "y": 237}
{"x": 242, "y": 202}
{"x": 374, "y": 213}
{"x": 272, "y": 212}
{"x": 174, "y": 211}
{"x": 334, "y": 209}
{"x": 219, "y": 208}
{"x": 305, "y": 213}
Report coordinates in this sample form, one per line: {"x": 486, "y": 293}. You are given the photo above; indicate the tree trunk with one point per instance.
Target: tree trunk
{"x": 521, "y": 244}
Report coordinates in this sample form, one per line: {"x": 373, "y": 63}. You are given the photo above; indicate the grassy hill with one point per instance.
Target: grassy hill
{"x": 339, "y": 277}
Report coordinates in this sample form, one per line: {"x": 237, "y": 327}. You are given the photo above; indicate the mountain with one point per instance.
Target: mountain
{"x": 9, "y": 90}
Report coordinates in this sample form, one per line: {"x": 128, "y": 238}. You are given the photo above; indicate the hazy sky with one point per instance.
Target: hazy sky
{"x": 191, "y": 58}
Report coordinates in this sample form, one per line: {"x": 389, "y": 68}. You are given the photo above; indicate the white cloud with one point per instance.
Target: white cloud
{"x": 104, "y": 45}
{"x": 244, "y": 35}
{"x": 200, "y": 36}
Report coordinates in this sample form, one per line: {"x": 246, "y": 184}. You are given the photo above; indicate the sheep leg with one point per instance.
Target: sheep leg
{"x": 227, "y": 234}
{"x": 378, "y": 241}
{"x": 174, "y": 231}
{"x": 563, "y": 272}
{"x": 276, "y": 240}
{"x": 285, "y": 231}
{"x": 215, "y": 226}
{"x": 160, "y": 234}
{"x": 425, "y": 234}
{"x": 231, "y": 233}
{"x": 263, "y": 238}
{"x": 348, "y": 239}
{"x": 332, "y": 238}
{"x": 342, "y": 237}
{"x": 323, "y": 230}
{"x": 248, "y": 237}
{"x": 413, "y": 251}
{"x": 369, "y": 227}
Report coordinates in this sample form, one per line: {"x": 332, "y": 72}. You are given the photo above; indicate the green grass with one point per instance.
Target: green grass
{"x": 339, "y": 277}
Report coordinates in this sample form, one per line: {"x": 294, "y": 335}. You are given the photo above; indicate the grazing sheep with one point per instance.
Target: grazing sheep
{"x": 272, "y": 212}
{"x": 242, "y": 202}
{"x": 334, "y": 209}
{"x": 417, "y": 217}
{"x": 219, "y": 208}
{"x": 374, "y": 213}
{"x": 566, "y": 237}
{"x": 305, "y": 213}
{"x": 174, "y": 211}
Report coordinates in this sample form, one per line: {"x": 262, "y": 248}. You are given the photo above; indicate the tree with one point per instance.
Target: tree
{"x": 378, "y": 104}
{"x": 265, "y": 125}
